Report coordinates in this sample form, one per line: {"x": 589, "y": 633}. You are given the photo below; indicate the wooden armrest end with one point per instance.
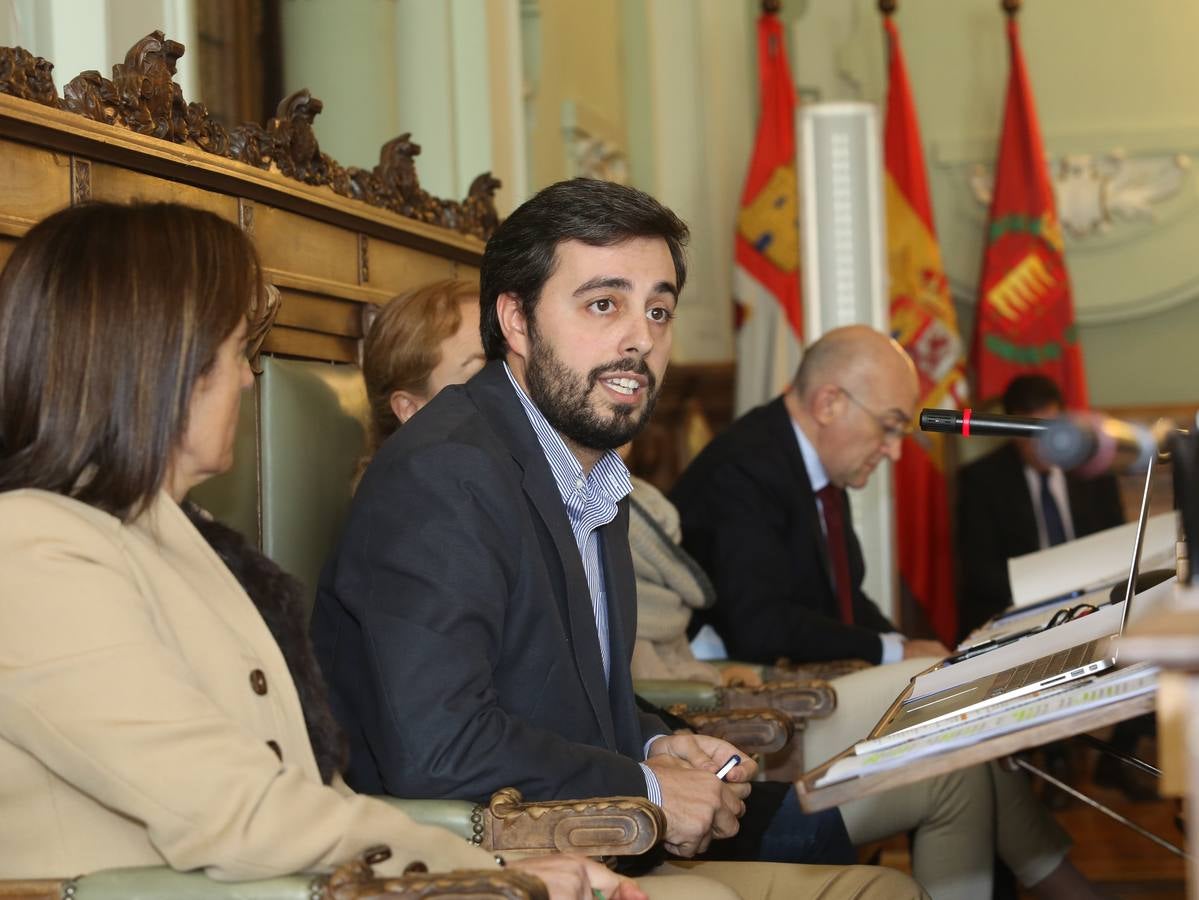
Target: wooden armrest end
{"x": 601, "y": 826}
{"x": 800, "y": 700}
{"x": 752, "y": 730}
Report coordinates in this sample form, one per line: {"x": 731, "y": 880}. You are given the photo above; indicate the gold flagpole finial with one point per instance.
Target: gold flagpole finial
{"x": 1011, "y": 7}
{"x": 888, "y": 7}
{"x": 771, "y": 7}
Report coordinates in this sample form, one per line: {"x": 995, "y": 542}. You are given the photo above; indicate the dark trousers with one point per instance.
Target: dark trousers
{"x": 775, "y": 829}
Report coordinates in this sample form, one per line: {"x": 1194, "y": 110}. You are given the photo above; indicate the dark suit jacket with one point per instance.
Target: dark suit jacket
{"x": 750, "y": 518}
{"x": 454, "y": 622}
{"x": 996, "y": 521}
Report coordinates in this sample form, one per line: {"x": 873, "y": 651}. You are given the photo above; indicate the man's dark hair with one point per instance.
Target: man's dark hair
{"x": 1029, "y": 393}
{"x": 520, "y": 257}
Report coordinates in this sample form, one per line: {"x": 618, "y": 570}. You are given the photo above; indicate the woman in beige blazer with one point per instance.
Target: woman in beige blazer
{"x": 147, "y": 713}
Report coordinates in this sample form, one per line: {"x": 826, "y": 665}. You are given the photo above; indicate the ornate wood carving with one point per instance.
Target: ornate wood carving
{"x": 356, "y": 880}
{"x": 81, "y": 180}
{"x": 364, "y": 265}
{"x": 607, "y": 826}
{"x": 142, "y": 96}
{"x": 752, "y": 730}
{"x": 245, "y": 214}
{"x": 833, "y": 668}
{"x": 799, "y": 700}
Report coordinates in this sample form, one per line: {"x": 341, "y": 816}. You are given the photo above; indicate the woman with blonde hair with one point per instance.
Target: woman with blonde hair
{"x": 420, "y": 342}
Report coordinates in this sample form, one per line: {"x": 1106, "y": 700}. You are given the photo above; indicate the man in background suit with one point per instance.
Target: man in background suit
{"x": 765, "y": 512}
{"x": 477, "y": 620}
{"x": 1010, "y": 503}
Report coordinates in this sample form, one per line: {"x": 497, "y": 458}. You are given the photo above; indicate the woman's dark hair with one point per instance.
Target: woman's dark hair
{"x": 520, "y": 257}
{"x": 109, "y": 314}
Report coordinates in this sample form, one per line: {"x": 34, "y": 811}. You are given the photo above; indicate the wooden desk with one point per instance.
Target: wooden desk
{"x": 1170, "y": 638}
{"x": 813, "y": 798}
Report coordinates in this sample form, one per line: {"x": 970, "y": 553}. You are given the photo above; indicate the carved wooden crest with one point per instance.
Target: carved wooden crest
{"x": 142, "y": 96}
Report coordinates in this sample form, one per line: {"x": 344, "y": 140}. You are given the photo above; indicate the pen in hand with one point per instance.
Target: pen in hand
{"x": 732, "y": 763}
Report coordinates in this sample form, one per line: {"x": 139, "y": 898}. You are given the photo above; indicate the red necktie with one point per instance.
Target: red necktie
{"x": 831, "y": 504}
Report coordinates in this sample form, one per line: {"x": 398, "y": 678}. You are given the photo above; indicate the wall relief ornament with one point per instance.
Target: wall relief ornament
{"x": 1094, "y": 193}
{"x": 142, "y": 96}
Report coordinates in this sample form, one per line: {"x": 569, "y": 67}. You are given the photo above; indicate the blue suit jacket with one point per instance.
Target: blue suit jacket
{"x": 454, "y": 621}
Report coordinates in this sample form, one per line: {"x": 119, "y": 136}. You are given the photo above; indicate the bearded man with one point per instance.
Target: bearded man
{"x": 477, "y": 619}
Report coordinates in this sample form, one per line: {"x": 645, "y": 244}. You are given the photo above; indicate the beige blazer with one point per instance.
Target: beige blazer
{"x": 141, "y": 695}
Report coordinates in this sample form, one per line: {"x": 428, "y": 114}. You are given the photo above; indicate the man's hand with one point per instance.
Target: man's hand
{"x": 914, "y": 649}
{"x": 698, "y": 805}
{"x": 708, "y": 753}
{"x": 570, "y": 877}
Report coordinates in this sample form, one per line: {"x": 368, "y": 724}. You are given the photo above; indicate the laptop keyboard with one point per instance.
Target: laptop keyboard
{"x": 1037, "y": 669}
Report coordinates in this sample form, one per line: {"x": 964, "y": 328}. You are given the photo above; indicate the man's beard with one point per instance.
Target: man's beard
{"x": 562, "y": 396}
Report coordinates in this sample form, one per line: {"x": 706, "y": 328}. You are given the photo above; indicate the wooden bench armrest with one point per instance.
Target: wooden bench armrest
{"x": 752, "y": 730}
{"x": 799, "y": 700}
{"x": 353, "y": 881}
{"x": 829, "y": 669}
{"x": 602, "y": 826}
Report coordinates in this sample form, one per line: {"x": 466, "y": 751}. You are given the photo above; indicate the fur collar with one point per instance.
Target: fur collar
{"x": 278, "y": 597}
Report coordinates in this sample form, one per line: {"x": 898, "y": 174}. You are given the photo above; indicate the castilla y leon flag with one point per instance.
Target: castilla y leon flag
{"x": 924, "y": 322}
{"x": 1025, "y": 319}
{"x": 769, "y": 319}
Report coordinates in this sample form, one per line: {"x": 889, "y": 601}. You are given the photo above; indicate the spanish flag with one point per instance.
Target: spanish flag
{"x": 1025, "y": 319}
{"x": 768, "y": 315}
{"x": 924, "y": 322}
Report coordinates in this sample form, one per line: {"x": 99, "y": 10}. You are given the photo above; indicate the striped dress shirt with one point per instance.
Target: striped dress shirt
{"x": 591, "y": 501}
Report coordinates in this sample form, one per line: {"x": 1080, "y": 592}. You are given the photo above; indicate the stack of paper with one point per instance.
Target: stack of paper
{"x": 993, "y": 721}
{"x": 1097, "y": 560}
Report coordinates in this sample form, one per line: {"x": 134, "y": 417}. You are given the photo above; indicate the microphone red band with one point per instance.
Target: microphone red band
{"x": 966, "y": 414}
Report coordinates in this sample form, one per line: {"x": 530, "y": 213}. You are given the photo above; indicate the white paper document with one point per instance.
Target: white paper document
{"x": 1028, "y": 711}
{"x": 1097, "y": 560}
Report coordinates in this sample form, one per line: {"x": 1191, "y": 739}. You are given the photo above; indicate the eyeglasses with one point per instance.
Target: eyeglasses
{"x": 892, "y": 430}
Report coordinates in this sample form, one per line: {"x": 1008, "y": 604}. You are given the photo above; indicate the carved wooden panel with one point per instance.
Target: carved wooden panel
{"x": 297, "y": 244}
{"x": 313, "y": 312}
{"x": 33, "y": 184}
{"x": 6, "y": 248}
{"x": 395, "y": 269}
{"x": 120, "y": 185}
{"x": 142, "y": 97}
{"x": 310, "y": 344}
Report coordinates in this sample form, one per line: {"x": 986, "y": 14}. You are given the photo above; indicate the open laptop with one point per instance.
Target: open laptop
{"x": 1075, "y": 649}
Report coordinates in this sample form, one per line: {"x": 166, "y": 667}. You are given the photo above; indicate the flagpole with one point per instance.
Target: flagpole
{"x": 771, "y": 7}
{"x": 1011, "y": 7}
{"x": 888, "y": 7}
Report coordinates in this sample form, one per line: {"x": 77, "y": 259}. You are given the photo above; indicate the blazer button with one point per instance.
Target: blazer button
{"x": 275, "y": 746}
{"x": 258, "y": 682}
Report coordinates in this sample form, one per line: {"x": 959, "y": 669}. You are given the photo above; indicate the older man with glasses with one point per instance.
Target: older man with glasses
{"x": 765, "y": 513}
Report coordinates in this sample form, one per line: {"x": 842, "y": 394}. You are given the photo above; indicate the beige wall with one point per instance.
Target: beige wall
{"x": 580, "y": 61}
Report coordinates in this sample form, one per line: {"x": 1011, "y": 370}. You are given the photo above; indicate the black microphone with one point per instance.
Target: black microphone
{"x": 1090, "y": 443}
{"x": 968, "y": 423}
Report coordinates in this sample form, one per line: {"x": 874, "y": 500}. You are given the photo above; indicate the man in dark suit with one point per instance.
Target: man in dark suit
{"x": 1010, "y": 503}
{"x": 765, "y": 512}
{"x": 476, "y": 622}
